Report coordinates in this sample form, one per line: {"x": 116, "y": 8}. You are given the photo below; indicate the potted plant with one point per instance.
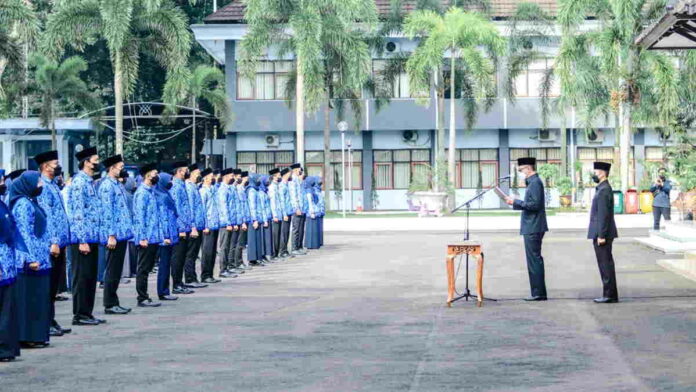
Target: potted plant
{"x": 565, "y": 187}
{"x": 429, "y": 189}
{"x": 549, "y": 173}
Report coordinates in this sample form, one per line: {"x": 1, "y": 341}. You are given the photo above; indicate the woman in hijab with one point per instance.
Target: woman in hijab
{"x": 321, "y": 209}
{"x": 10, "y": 241}
{"x": 312, "y": 225}
{"x": 167, "y": 209}
{"x": 34, "y": 264}
{"x": 267, "y": 217}
{"x": 254, "y": 233}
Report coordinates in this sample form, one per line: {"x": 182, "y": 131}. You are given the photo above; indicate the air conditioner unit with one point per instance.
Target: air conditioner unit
{"x": 409, "y": 136}
{"x": 272, "y": 141}
{"x": 546, "y": 135}
{"x": 391, "y": 47}
{"x": 595, "y": 136}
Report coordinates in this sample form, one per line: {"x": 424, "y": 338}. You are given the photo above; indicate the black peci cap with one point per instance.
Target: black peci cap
{"x": 602, "y": 166}
{"x": 245, "y": 174}
{"x": 86, "y": 153}
{"x": 46, "y": 156}
{"x": 193, "y": 167}
{"x": 227, "y": 171}
{"x": 295, "y": 166}
{"x": 179, "y": 164}
{"x": 147, "y": 168}
{"x": 284, "y": 171}
{"x": 110, "y": 161}
{"x": 273, "y": 171}
{"x": 206, "y": 172}
{"x": 526, "y": 161}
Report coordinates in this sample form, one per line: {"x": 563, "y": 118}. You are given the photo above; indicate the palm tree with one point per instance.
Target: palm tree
{"x": 313, "y": 32}
{"x": 205, "y": 83}
{"x": 129, "y": 27}
{"x": 459, "y": 34}
{"x": 603, "y": 72}
{"x": 59, "y": 84}
{"x": 18, "y": 25}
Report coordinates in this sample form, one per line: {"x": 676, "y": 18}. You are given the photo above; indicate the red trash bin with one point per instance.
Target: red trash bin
{"x": 631, "y": 202}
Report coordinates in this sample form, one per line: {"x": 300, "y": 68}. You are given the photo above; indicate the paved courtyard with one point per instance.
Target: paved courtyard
{"x": 366, "y": 313}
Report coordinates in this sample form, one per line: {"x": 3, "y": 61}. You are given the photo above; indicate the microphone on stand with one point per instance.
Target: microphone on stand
{"x": 503, "y": 178}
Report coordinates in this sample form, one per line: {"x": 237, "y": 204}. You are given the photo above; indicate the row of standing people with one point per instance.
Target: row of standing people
{"x": 168, "y": 219}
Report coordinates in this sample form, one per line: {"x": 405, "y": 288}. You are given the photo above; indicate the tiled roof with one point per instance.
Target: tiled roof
{"x": 234, "y": 11}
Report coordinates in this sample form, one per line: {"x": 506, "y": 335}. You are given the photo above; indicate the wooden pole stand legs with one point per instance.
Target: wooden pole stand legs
{"x": 470, "y": 248}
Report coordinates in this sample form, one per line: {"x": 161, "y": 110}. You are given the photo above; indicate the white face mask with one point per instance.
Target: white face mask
{"x": 522, "y": 175}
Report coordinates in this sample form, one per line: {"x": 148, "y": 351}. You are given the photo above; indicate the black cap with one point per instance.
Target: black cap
{"x": 193, "y": 167}
{"x": 147, "y": 168}
{"x": 602, "y": 166}
{"x": 179, "y": 164}
{"x": 245, "y": 174}
{"x": 16, "y": 174}
{"x": 205, "y": 172}
{"x": 46, "y": 156}
{"x": 227, "y": 171}
{"x": 110, "y": 161}
{"x": 217, "y": 171}
{"x": 295, "y": 166}
{"x": 284, "y": 171}
{"x": 86, "y": 153}
{"x": 526, "y": 161}
{"x": 273, "y": 171}
{"x": 237, "y": 172}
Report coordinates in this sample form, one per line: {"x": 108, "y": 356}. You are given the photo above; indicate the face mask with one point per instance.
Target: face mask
{"x": 57, "y": 171}
{"x": 187, "y": 176}
{"x": 239, "y": 181}
{"x": 154, "y": 180}
{"x": 663, "y": 177}
{"x": 37, "y": 191}
{"x": 278, "y": 179}
{"x": 168, "y": 186}
{"x": 595, "y": 179}
{"x": 123, "y": 174}
{"x": 97, "y": 167}
{"x": 212, "y": 182}
{"x": 3, "y": 189}
{"x": 60, "y": 184}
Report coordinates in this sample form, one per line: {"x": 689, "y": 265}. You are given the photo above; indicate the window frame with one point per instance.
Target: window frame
{"x": 275, "y": 74}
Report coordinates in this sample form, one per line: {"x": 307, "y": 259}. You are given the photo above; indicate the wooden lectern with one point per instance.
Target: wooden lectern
{"x": 470, "y": 248}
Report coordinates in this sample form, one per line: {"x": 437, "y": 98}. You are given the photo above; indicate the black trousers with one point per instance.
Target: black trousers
{"x": 298, "y": 223}
{"x": 605, "y": 261}
{"x": 84, "y": 280}
{"x": 9, "y": 321}
{"x": 223, "y": 246}
{"x": 146, "y": 261}
{"x": 535, "y": 263}
{"x": 133, "y": 258}
{"x": 179, "y": 260}
{"x": 209, "y": 246}
{"x": 658, "y": 212}
{"x": 112, "y": 273}
{"x": 235, "y": 258}
{"x": 284, "y": 236}
{"x": 303, "y": 227}
{"x": 242, "y": 238}
{"x": 276, "y": 228}
{"x": 194, "y": 247}
{"x": 57, "y": 281}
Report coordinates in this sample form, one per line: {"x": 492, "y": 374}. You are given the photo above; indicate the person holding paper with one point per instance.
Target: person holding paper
{"x": 533, "y": 225}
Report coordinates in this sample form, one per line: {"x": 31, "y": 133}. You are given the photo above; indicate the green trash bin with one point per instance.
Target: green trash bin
{"x": 618, "y": 202}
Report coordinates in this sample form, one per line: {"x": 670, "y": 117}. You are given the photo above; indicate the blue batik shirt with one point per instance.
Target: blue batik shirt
{"x": 266, "y": 203}
{"x": 209, "y": 201}
{"x": 221, "y": 196}
{"x": 321, "y": 207}
{"x": 196, "y": 204}
{"x": 147, "y": 223}
{"x": 233, "y": 207}
{"x": 184, "y": 222}
{"x": 117, "y": 215}
{"x": 38, "y": 248}
{"x": 295, "y": 191}
{"x": 244, "y": 208}
{"x": 57, "y": 224}
{"x": 255, "y": 205}
{"x": 84, "y": 211}
{"x": 284, "y": 189}
{"x": 8, "y": 264}
{"x": 276, "y": 199}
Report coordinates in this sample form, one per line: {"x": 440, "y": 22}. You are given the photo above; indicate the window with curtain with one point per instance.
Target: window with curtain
{"x": 399, "y": 87}
{"x": 478, "y": 168}
{"x": 315, "y": 162}
{"x": 588, "y": 155}
{"x": 262, "y": 161}
{"x": 528, "y": 82}
{"x": 395, "y": 169}
{"x": 268, "y": 83}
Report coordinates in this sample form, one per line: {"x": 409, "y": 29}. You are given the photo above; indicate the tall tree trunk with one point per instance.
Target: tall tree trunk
{"x": 328, "y": 172}
{"x": 52, "y": 125}
{"x": 193, "y": 133}
{"x": 299, "y": 114}
{"x": 118, "y": 104}
{"x": 452, "y": 134}
{"x": 440, "y": 150}
{"x": 625, "y": 143}
{"x": 564, "y": 144}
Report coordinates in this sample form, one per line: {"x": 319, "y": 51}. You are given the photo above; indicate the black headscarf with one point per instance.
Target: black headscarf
{"x": 25, "y": 186}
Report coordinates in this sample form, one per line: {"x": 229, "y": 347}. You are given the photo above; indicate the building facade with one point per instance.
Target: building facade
{"x": 391, "y": 144}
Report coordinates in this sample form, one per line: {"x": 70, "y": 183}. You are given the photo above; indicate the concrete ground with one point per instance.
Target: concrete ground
{"x": 366, "y": 313}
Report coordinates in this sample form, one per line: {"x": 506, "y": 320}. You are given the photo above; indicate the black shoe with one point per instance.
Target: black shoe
{"x": 535, "y": 298}
{"x": 100, "y": 321}
{"x": 34, "y": 344}
{"x": 116, "y": 310}
{"x": 182, "y": 290}
{"x": 53, "y": 331}
{"x": 605, "y": 300}
{"x": 211, "y": 280}
{"x": 196, "y": 285}
{"x": 226, "y": 274}
{"x": 168, "y": 297}
{"x": 7, "y": 359}
{"x": 61, "y": 297}
{"x": 85, "y": 321}
{"x": 65, "y": 330}
{"x": 236, "y": 271}
{"x": 101, "y": 285}
{"x": 148, "y": 303}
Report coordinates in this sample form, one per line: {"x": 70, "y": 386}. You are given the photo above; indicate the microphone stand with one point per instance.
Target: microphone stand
{"x": 467, "y": 293}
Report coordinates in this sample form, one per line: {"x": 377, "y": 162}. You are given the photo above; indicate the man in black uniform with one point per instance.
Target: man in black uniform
{"x": 533, "y": 226}
{"x": 602, "y": 232}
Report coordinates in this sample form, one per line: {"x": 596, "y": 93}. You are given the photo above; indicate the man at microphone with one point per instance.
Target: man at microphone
{"x": 533, "y": 225}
